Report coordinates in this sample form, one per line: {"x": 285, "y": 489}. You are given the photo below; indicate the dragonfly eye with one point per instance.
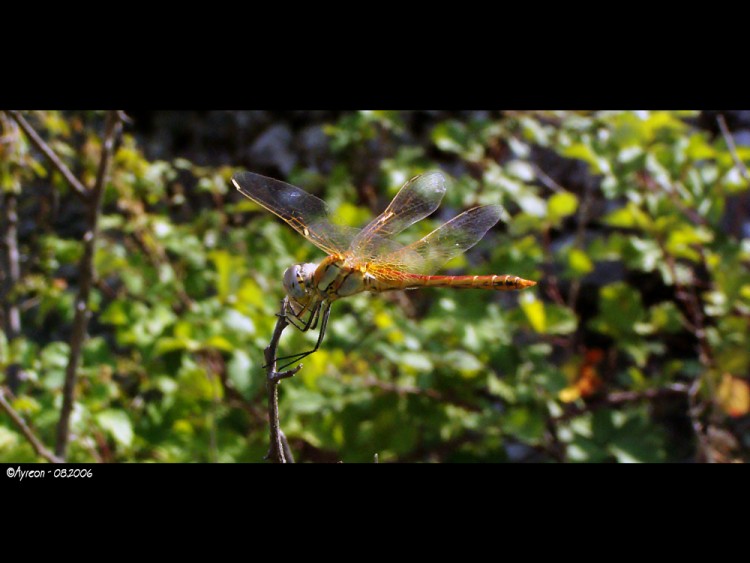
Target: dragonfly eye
{"x": 297, "y": 279}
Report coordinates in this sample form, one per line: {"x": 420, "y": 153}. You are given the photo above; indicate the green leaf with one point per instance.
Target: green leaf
{"x": 199, "y": 384}
{"x": 534, "y": 311}
{"x": 579, "y": 263}
{"x": 620, "y": 311}
{"x": 63, "y": 251}
{"x": 228, "y": 269}
{"x": 26, "y": 405}
{"x": 168, "y": 344}
{"x": 642, "y": 253}
{"x": 561, "y": 205}
{"x": 560, "y": 319}
{"x": 524, "y": 423}
{"x": 416, "y": 361}
{"x": 219, "y": 343}
{"x": 55, "y": 355}
{"x": 468, "y": 365}
{"x": 584, "y": 152}
{"x": 629, "y": 217}
{"x": 118, "y": 425}
{"x": 238, "y": 322}
{"x": 666, "y": 317}
{"x": 244, "y": 373}
{"x": 8, "y": 439}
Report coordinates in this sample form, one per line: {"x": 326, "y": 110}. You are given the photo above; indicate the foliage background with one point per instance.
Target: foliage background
{"x": 633, "y": 347}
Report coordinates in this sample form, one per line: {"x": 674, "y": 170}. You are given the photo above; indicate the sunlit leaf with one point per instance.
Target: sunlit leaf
{"x": 534, "y": 310}
{"x": 561, "y": 205}
{"x": 117, "y": 424}
{"x": 733, "y": 395}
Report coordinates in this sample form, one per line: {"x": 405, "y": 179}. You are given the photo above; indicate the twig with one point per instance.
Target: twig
{"x": 159, "y": 257}
{"x": 39, "y": 448}
{"x": 238, "y": 400}
{"x": 689, "y": 299}
{"x": 623, "y": 397}
{"x": 12, "y": 274}
{"x": 278, "y": 451}
{"x": 729, "y": 140}
{"x": 552, "y": 285}
{"x": 412, "y": 390}
{"x": 10, "y": 264}
{"x": 441, "y": 450}
{"x": 546, "y": 179}
{"x": 695, "y": 410}
{"x": 124, "y": 117}
{"x": 644, "y": 179}
{"x": 87, "y": 274}
{"x": 39, "y": 143}
{"x": 583, "y": 218}
{"x": 285, "y": 446}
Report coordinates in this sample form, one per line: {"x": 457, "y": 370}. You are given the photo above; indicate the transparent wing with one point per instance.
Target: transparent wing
{"x": 446, "y": 242}
{"x": 305, "y": 213}
{"x": 419, "y": 197}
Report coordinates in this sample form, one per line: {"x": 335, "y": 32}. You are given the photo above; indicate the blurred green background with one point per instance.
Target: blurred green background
{"x": 632, "y": 348}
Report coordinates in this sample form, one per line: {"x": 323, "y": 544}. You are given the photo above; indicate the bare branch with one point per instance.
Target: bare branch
{"x": 693, "y": 320}
{"x": 729, "y": 140}
{"x": 424, "y": 392}
{"x": 547, "y": 180}
{"x": 583, "y": 219}
{"x": 279, "y": 450}
{"x": 39, "y": 143}
{"x": 288, "y": 456}
{"x": 39, "y": 448}
{"x": 124, "y": 117}
{"x": 695, "y": 410}
{"x": 113, "y": 127}
{"x": 618, "y": 398}
{"x": 11, "y": 275}
{"x": 10, "y": 259}
{"x": 645, "y": 180}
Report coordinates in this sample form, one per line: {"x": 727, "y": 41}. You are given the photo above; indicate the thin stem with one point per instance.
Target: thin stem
{"x": 39, "y": 448}
{"x": 552, "y": 286}
{"x": 278, "y": 451}
{"x": 285, "y": 447}
{"x": 11, "y": 275}
{"x": 695, "y": 410}
{"x": 10, "y": 259}
{"x": 39, "y": 143}
{"x": 618, "y": 398}
{"x": 693, "y": 308}
{"x": 583, "y": 218}
{"x": 86, "y": 278}
{"x": 729, "y": 140}
{"x": 547, "y": 180}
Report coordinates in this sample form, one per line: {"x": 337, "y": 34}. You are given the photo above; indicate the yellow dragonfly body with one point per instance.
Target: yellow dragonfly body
{"x": 369, "y": 259}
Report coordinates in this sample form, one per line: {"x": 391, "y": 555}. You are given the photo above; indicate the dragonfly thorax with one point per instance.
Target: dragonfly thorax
{"x": 298, "y": 280}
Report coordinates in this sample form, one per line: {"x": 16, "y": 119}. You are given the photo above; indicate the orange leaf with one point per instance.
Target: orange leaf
{"x": 589, "y": 382}
{"x": 733, "y": 395}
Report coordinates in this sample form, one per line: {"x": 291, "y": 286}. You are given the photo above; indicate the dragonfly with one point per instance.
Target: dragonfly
{"x": 369, "y": 259}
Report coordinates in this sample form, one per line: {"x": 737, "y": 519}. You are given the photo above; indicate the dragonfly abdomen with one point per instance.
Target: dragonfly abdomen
{"x": 494, "y": 282}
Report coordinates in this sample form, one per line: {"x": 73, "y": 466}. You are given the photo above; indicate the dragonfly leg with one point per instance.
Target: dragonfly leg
{"x": 299, "y": 356}
{"x": 296, "y": 318}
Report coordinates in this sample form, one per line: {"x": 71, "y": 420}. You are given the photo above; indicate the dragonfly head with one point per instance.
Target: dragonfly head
{"x": 298, "y": 280}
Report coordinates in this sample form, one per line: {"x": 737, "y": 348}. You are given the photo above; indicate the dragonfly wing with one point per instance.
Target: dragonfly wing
{"x": 305, "y": 213}
{"x": 419, "y": 197}
{"x": 446, "y": 242}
